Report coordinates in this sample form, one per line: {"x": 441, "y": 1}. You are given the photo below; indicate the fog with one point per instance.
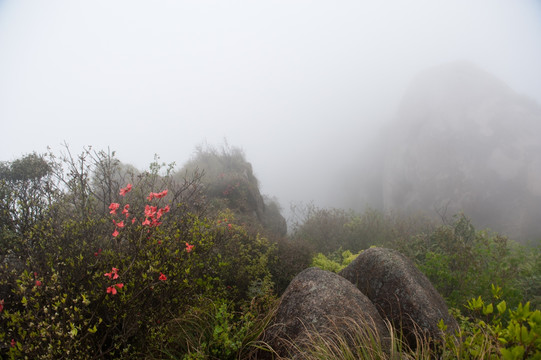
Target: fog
{"x": 303, "y": 87}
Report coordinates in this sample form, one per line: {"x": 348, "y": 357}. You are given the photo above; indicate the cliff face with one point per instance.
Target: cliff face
{"x": 464, "y": 141}
{"x": 229, "y": 183}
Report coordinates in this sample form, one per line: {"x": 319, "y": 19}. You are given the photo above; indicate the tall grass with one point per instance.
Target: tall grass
{"x": 347, "y": 339}
{"x": 216, "y": 330}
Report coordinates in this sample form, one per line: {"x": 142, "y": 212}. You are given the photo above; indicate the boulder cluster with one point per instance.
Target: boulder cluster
{"x": 380, "y": 290}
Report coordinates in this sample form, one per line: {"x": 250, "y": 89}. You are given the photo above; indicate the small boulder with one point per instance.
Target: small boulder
{"x": 319, "y": 301}
{"x": 400, "y": 292}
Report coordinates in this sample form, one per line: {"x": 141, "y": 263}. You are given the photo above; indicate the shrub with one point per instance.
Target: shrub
{"x": 497, "y": 331}
{"x": 104, "y": 284}
{"x": 462, "y": 262}
{"x": 291, "y": 258}
{"x": 327, "y": 230}
{"x": 335, "y": 263}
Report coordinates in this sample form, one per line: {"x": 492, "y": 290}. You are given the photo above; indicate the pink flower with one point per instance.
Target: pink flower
{"x": 13, "y": 343}
{"x": 98, "y": 252}
{"x": 115, "y": 233}
{"x": 133, "y": 220}
{"x": 125, "y": 190}
{"x": 1, "y": 305}
{"x": 119, "y": 224}
{"x": 154, "y": 195}
{"x": 112, "y": 289}
{"x": 38, "y": 283}
{"x": 113, "y": 207}
{"x": 113, "y": 274}
{"x": 150, "y": 211}
{"x": 126, "y": 210}
{"x": 189, "y": 247}
{"x": 162, "y": 277}
{"x": 146, "y": 222}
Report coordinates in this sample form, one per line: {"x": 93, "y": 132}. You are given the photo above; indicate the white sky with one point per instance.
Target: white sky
{"x": 299, "y": 85}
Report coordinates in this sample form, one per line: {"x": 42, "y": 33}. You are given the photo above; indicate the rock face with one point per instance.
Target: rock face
{"x": 229, "y": 183}
{"x": 462, "y": 140}
{"x": 318, "y": 300}
{"x": 400, "y": 292}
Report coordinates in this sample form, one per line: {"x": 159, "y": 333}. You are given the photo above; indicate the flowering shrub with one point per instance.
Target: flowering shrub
{"x": 107, "y": 284}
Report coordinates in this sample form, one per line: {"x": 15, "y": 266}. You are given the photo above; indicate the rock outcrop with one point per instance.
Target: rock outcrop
{"x": 462, "y": 140}
{"x": 323, "y": 302}
{"x": 229, "y": 183}
{"x": 400, "y": 292}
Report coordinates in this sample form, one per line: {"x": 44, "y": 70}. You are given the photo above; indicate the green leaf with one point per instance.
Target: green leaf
{"x": 502, "y": 306}
{"x": 496, "y": 291}
{"x": 475, "y": 304}
{"x": 441, "y": 325}
{"x": 507, "y": 354}
{"x": 85, "y": 300}
{"x": 488, "y": 309}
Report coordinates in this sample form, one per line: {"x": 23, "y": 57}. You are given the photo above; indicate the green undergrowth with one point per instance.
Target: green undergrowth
{"x": 101, "y": 261}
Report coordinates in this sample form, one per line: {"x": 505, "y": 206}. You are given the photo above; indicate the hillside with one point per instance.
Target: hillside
{"x": 462, "y": 140}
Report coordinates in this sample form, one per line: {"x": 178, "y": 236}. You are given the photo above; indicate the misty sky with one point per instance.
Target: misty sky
{"x": 301, "y": 86}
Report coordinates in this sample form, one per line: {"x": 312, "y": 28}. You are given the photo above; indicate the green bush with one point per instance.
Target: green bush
{"x": 497, "y": 331}
{"x": 327, "y": 230}
{"x": 336, "y": 262}
{"x": 105, "y": 284}
{"x": 291, "y": 258}
{"x": 217, "y": 329}
{"x": 173, "y": 267}
{"x": 462, "y": 262}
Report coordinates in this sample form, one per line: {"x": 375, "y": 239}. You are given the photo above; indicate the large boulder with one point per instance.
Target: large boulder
{"x": 319, "y": 301}
{"x": 400, "y": 292}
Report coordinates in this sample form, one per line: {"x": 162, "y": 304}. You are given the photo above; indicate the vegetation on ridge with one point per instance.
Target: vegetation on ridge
{"x": 99, "y": 260}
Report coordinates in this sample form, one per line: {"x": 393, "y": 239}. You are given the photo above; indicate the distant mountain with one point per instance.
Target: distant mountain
{"x": 462, "y": 140}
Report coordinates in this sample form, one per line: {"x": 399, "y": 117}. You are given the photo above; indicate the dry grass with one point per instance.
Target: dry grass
{"x": 347, "y": 339}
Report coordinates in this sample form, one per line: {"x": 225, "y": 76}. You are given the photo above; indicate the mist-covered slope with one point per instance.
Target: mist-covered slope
{"x": 462, "y": 140}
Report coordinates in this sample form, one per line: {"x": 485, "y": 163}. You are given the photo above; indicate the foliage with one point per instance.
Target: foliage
{"x": 216, "y": 330}
{"x": 229, "y": 182}
{"x": 497, "y": 331}
{"x": 324, "y": 230}
{"x": 334, "y": 263}
{"x": 492, "y": 331}
{"x": 26, "y": 191}
{"x": 347, "y": 338}
{"x": 462, "y": 262}
{"x": 327, "y": 230}
{"x": 291, "y": 258}
{"x": 100, "y": 260}
{"x": 83, "y": 281}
